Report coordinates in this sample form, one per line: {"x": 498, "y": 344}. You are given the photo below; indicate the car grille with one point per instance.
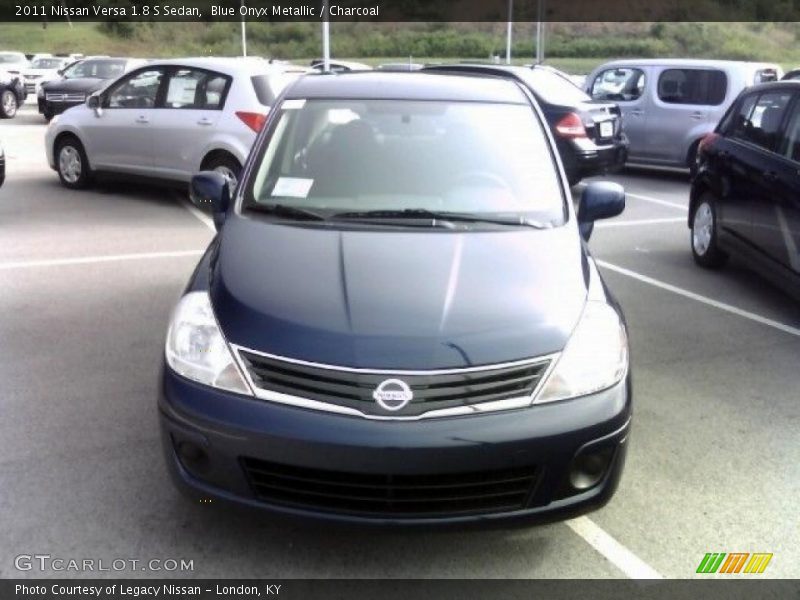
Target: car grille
{"x": 400, "y": 496}
{"x": 65, "y": 97}
{"x": 354, "y": 390}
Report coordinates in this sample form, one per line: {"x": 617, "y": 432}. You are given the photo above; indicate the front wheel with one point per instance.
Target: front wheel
{"x": 72, "y": 164}
{"x": 228, "y": 167}
{"x": 8, "y": 104}
{"x": 705, "y": 250}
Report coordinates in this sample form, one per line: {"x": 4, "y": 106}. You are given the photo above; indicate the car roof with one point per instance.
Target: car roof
{"x": 789, "y": 84}
{"x": 230, "y": 65}
{"x": 414, "y": 85}
{"x": 686, "y": 62}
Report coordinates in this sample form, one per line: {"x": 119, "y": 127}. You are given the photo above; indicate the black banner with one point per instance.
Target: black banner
{"x": 403, "y": 589}
{"x": 400, "y": 10}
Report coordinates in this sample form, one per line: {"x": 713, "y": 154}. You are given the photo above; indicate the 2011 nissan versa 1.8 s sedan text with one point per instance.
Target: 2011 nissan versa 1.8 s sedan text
{"x": 399, "y": 320}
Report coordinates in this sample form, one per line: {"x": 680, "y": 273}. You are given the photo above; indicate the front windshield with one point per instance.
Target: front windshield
{"x": 11, "y": 57}
{"x": 46, "y": 63}
{"x": 347, "y": 156}
{"x": 100, "y": 69}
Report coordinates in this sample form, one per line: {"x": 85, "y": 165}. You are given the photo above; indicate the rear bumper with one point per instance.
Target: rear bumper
{"x": 582, "y": 156}
{"x": 231, "y": 429}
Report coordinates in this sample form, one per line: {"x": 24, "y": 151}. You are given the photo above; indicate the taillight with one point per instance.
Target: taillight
{"x": 706, "y": 142}
{"x": 254, "y": 121}
{"x": 571, "y": 126}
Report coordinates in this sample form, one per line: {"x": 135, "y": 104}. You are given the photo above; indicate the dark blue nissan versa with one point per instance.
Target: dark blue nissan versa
{"x": 399, "y": 321}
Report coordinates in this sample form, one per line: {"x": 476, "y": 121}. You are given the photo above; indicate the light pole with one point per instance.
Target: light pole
{"x": 540, "y": 33}
{"x": 326, "y": 39}
{"x": 244, "y": 33}
{"x": 508, "y": 30}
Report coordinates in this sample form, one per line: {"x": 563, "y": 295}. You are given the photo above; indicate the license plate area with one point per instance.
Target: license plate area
{"x": 606, "y": 129}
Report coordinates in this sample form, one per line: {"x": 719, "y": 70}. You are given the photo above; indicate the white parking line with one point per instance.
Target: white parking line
{"x": 84, "y": 260}
{"x": 199, "y": 214}
{"x": 658, "y": 201}
{"x": 622, "y": 558}
{"x": 634, "y": 222}
{"x": 700, "y": 298}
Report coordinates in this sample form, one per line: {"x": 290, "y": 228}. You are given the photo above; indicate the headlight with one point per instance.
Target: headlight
{"x": 196, "y": 348}
{"x": 595, "y": 358}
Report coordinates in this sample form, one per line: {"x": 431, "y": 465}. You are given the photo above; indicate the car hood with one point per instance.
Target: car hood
{"x": 83, "y": 84}
{"x": 389, "y": 299}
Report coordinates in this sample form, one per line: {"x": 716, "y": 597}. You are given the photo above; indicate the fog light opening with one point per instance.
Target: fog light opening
{"x": 191, "y": 454}
{"x": 589, "y": 468}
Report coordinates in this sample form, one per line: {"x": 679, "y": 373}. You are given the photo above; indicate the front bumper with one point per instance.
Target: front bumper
{"x": 234, "y": 430}
{"x": 54, "y": 108}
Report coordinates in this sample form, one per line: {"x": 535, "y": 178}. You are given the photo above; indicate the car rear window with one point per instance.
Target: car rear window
{"x": 553, "y": 88}
{"x": 761, "y": 125}
{"x": 693, "y": 86}
{"x": 269, "y": 87}
{"x": 332, "y": 156}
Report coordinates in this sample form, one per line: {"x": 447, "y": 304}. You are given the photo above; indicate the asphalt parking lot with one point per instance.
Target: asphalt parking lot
{"x": 87, "y": 281}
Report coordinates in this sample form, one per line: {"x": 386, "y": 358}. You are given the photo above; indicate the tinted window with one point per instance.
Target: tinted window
{"x": 195, "y": 88}
{"x": 737, "y": 122}
{"x": 269, "y": 87}
{"x": 138, "y": 91}
{"x": 692, "y": 86}
{"x": 47, "y": 63}
{"x": 101, "y": 69}
{"x": 762, "y": 126}
{"x": 623, "y": 84}
{"x": 356, "y": 155}
{"x": 789, "y": 145}
{"x": 553, "y": 88}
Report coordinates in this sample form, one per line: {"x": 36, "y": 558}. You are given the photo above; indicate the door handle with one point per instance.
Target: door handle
{"x": 205, "y": 121}
{"x": 770, "y": 176}
{"x": 142, "y": 119}
{"x": 637, "y": 113}
{"x": 697, "y": 116}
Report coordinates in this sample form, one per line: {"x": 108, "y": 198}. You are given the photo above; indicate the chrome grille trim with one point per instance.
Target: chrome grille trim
{"x": 474, "y": 409}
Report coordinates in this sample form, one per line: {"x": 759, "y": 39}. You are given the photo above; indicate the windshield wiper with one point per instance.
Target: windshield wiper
{"x": 284, "y": 210}
{"x": 423, "y": 213}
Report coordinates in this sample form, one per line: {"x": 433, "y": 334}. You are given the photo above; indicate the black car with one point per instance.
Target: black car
{"x": 12, "y": 94}
{"x": 2, "y": 166}
{"x": 399, "y": 321}
{"x": 745, "y": 198}
{"x": 588, "y": 133}
{"x": 792, "y": 75}
{"x": 79, "y": 81}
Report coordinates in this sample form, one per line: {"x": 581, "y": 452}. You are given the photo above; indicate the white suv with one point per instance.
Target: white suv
{"x": 168, "y": 120}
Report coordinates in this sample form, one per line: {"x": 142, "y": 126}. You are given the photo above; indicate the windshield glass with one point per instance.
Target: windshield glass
{"x": 11, "y": 57}
{"x": 101, "y": 69}
{"x": 346, "y": 156}
{"x": 553, "y": 88}
{"x": 46, "y": 63}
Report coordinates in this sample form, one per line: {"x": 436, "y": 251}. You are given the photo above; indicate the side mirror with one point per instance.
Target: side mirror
{"x": 94, "y": 103}
{"x": 600, "y": 200}
{"x": 209, "y": 189}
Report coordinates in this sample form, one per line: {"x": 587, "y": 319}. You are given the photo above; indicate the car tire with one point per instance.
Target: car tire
{"x": 227, "y": 166}
{"x": 703, "y": 237}
{"x": 71, "y": 163}
{"x": 8, "y": 104}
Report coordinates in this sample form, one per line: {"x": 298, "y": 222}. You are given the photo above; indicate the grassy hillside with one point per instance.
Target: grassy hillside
{"x": 576, "y": 47}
